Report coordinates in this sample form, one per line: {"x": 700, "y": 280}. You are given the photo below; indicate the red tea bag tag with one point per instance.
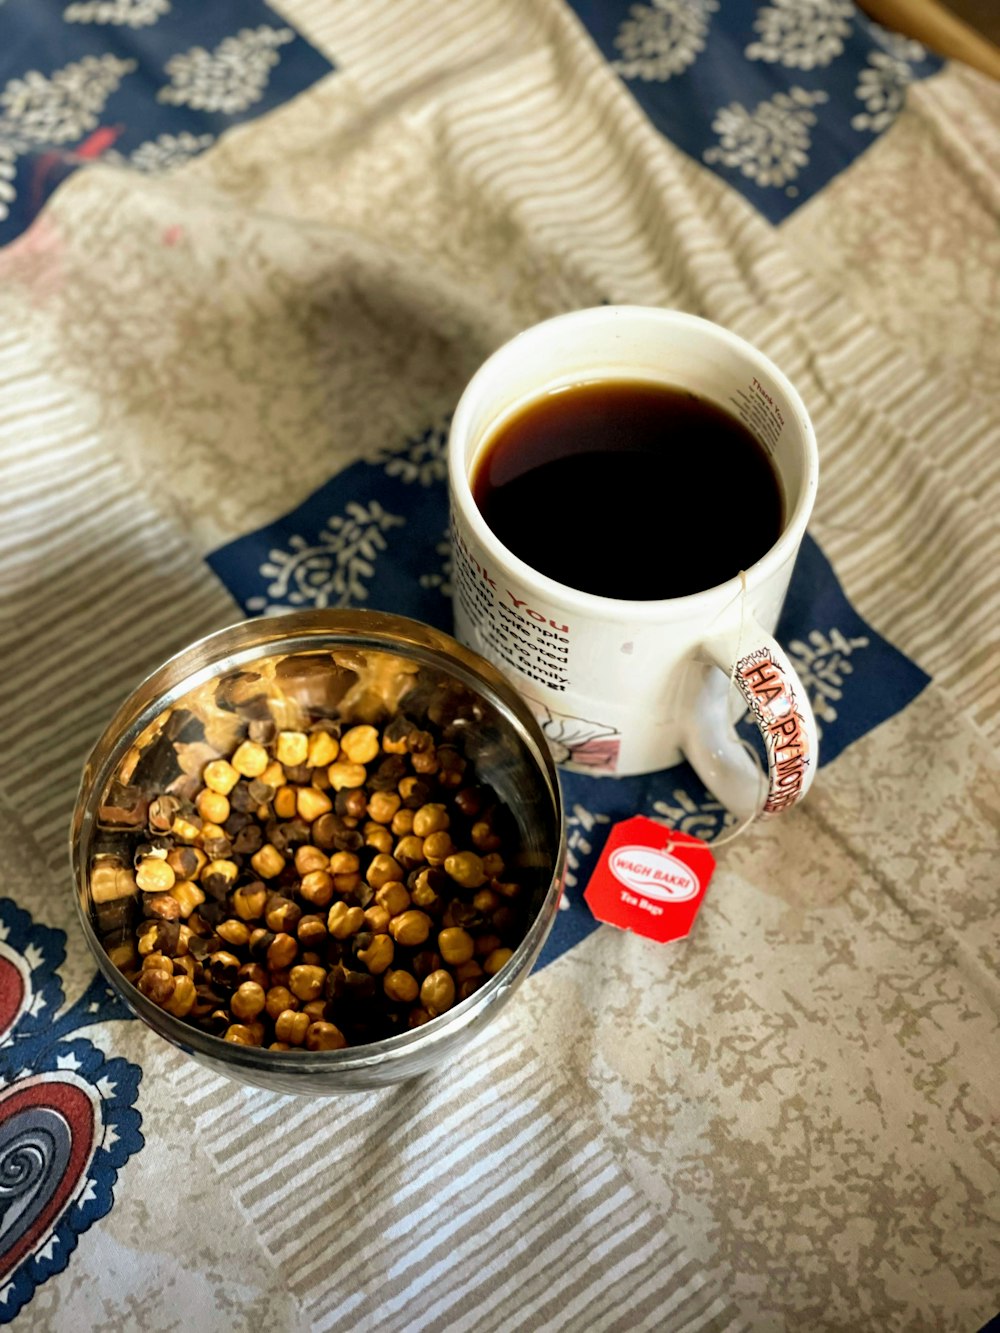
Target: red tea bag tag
{"x": 650, "y": 880}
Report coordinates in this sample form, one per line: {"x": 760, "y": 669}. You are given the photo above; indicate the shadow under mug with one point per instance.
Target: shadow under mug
{"x": 624, "y": 687}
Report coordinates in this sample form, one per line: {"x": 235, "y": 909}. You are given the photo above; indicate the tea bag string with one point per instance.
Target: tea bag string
{"x": 745, "y": 824}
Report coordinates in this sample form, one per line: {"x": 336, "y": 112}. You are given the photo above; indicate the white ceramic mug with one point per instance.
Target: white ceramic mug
{"x": 625, "y": 687}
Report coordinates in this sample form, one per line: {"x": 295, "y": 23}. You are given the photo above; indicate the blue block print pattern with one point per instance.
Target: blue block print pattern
{"x": 376, "y": 535}
{"x": 146, "y": 84}
{"x": 68, "y": 1121}
{"x": 776, "y": 97}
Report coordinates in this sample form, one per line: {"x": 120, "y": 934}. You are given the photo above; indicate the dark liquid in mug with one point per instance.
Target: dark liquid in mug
{"x": 629, "y": 490}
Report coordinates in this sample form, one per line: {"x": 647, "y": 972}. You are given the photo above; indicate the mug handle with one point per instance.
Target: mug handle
{"x": 753, "y": 660}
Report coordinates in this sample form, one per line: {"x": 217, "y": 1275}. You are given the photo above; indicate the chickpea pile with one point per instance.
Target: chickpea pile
{"x": 322, "y": 888}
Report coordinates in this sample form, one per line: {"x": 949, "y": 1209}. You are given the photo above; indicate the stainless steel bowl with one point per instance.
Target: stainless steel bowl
{"x": 502, "y": 740}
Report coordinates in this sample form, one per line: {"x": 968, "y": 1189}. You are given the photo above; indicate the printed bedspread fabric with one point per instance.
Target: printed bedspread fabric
{"x": 284, "y": 237}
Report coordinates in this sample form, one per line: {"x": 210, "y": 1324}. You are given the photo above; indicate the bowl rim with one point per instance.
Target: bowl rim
{"x": 232, "y": 648}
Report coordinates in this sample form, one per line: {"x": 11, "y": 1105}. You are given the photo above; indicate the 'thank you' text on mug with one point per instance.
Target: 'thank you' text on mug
{"x": 524, "y": 638}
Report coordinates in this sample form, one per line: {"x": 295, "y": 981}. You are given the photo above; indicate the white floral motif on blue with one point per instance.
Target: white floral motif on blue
{"x": 334, "y": 570}
{"x": 705, "y": 819}
{"x": 440, "y": 579}
{"x": 230, "y": 78}
{"x": 169, "y": 77}
{"x": 882, "y": 88}
{"x": 771, "y": 144}
{"x": 661, "y": 39}
{"x": 765, "y": 94}
{"x": 422, "y": 460}
{"x": 164, "y": 153}
{"x": 128, "y": 13}
{"x": 801, "y": 34}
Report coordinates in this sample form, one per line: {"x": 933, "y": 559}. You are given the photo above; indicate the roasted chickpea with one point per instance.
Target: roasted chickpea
{"x": 344, "y": 921}
{"x": 437, "y": 992}
{"x": 496, "y": 960}
{"x": 155, "y": 875}
{"x": 382, "y": 806}
{"x": 379, "y": 954}
{"x": 212, "y": 806}
{"x": 466, "y": 869}
{"x": 186, "y": 862}
{"x": 344, "y": 775}
{"x": 234, "y": 932}
{"x": 281, "y": 952}
{"x": 182, "y": 1001}
{"x": 410, "y": 928}
{"x": 164, "y": 906}
{"x": 438, "y": 847}
{"x": 400, "y": 985}
{"x": 249, "y": 901}
{"x": 240, "y": 1035}
{"x": 360, "y": 744}
{"x": 486, "y": 901}
{"x": 425, "y": 896}
{"x": 376, "y": 919}
{"x": 187, "y": 896}
{"x": 187, "y": 830}
{"x": 323, "y": 749}
{"x": 286, "y": 803}
{"x": 309, "y": 859}
{"x": 311, "y": 803}
{"x": 291, "y": 1026}
{"x": 250, "y": 759}
{"x": 324, "y": 1037}
{"x": 456, "y": 945}
{"x": 306, "y": 982}
{"x": 247, "y": 1001}
{"x": 402, "y": 823}
{"x": 220, "y": 776}
{"x": 393, "y": 897}
{"x": 317, "y": 888}
{"x": 268, "y": 862}
{"x": 409, "y": 852}
{"x": 383, "y": 870}
{"x": 311, "y": 932}
{"x": 156, "y": 985}
{"x": 378, "y": 836}
{"x": 292, "y": 748}
{"x": 430, "y": 819}
{"x": 483, "y": 838}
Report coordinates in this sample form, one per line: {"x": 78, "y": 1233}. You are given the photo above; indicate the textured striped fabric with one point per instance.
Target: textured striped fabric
{"x": 77, "y": 532}
{"x": 787, "y": 1120}
{"x": 421, "y": 1233}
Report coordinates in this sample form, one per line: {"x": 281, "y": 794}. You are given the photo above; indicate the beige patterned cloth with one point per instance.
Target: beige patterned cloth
{"x": 791, "y": 1119}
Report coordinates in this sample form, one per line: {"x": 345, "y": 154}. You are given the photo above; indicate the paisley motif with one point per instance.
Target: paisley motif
{"x": 68, "y": 1121}
{"x": 47, "y": 1137}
